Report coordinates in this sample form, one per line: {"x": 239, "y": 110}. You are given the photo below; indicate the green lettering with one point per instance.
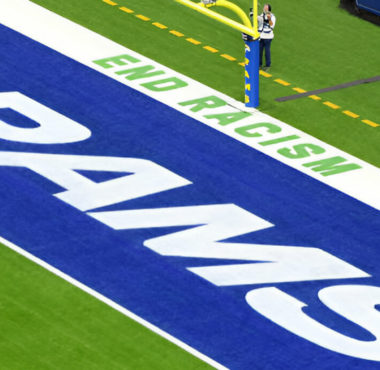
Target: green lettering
{"x": 165, "y": 84}
{"x": 227, "y": 118}
{"x": 202, "y": 103}
{"x": 246, "y": 130}
{"x": 330, "y": 166}
{"x": 301, "y": 151}
{"x": 279, "y": 140}
{"x": 139, "y": 72}
{"x": 120, "y": 60}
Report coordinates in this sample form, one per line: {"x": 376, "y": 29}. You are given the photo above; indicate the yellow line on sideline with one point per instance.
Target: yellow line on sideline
{"x": 282, "y": 82}
{"x": 370, "y": 123}
{"x": 265, "y": 74}
{"x": 159, "y": 25}
{"x": 331, "y": 105}
{"x": 192, "y": 41}
{"x": 298, "y": 89}
{"x": 109, "y": 2}
{"x": 176, "y": 33}
{"x": 350, "y": 114}
{"x": 211, "y": 49}
{"x": 232, "y": 59}
{"x": 127, "y": 10}
{"x": 228, "y": 57}
{"x": 315, "y": 97}
{"x": 142, "y": 17}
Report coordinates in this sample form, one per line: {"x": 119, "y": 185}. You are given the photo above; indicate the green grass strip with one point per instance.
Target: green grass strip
{"x": 317, "y": 45}
{"x": 47, "y": 323}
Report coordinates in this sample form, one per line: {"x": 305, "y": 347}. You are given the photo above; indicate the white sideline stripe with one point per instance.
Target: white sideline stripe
{"x": 112, "y": 304}
{"x": 85, "y": 46}
{"x": 11, "y": 11}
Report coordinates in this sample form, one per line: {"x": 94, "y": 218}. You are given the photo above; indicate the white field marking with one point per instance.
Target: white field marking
{"x": 85, "y": 46}
{"x": 112, "y": 304}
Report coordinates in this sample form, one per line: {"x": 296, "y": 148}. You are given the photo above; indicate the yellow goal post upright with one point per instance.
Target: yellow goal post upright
{"x": 251, "y": 60}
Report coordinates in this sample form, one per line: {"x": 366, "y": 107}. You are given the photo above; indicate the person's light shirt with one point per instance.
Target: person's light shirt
{"x": 265, "y": 29}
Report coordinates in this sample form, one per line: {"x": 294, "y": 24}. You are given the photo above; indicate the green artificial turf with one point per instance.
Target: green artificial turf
{"x": 317, "y": 45}
{"x": 47, "y": 323}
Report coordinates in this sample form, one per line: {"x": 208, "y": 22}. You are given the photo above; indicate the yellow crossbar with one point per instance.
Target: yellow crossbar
{"x": 221, "y": 18}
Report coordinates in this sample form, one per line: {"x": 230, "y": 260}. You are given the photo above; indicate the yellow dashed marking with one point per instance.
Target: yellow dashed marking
{"x": 315, "y": 97}
{"x": 142, "y": 17}
{"x": 211, "y": 49}
{"x": 243, "y": 64}
{"x": 246, "y": 74}
{"x": 248, "y": 87}
{"x": 228, "y": 57}
{"x": 127, "y": 10}
{"x": 265, "y": 74}
{"x": 159, "y": 25}
{"x": 298, "y": 89}
{"x": 195, "y": 42}
{"x": 350, "y": 114}
{"x": 370, "y": 123}
{"x": 176, "y": 33}
{"x": 331, "y": 105}
{"x": 282, "y": 82}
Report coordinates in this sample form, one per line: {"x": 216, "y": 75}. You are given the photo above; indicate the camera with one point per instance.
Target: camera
{"x": 265, "y": 18}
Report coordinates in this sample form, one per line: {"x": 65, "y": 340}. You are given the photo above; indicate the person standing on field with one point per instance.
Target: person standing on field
{"x": 266, "y": 23}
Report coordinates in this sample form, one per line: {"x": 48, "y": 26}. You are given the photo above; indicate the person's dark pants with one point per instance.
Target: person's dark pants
{"x": 265, "y": 44}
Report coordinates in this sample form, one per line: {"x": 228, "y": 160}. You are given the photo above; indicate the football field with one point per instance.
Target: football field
{"x": 149, "y": 222}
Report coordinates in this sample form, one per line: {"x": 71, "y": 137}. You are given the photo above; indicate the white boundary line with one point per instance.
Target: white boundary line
{"x": 112, "y": 304}
{"x": 16, "y": 10}
{"x": 85, "y": 46}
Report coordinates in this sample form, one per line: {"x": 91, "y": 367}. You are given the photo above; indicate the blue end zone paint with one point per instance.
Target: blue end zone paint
{"x": 214, "y": 320}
